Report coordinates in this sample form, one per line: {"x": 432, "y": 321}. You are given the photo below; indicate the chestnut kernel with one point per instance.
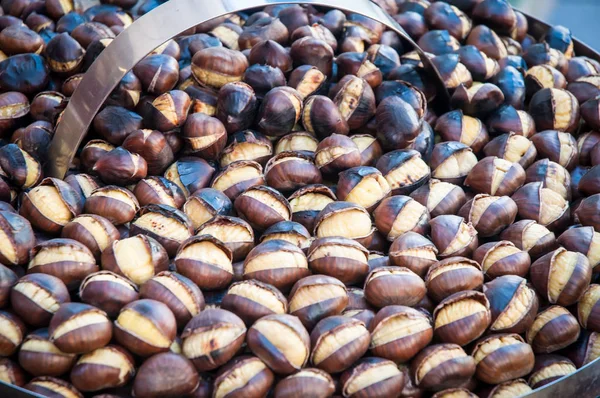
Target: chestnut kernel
{"x": 502, "y": 357}
{"x": 166, "y": 374}
{"x": 442, "y": 366}
{"x": 462, "y": 317}
{"x": 452, "y": 275}
{"x": 316, "y": 297}
{"x": 107, "y": 291}
{"x": 381, "y": 287}
{"x": 36, "y": 297}
{"x": 553, "y": 329}
{"x": 40, "y": 357}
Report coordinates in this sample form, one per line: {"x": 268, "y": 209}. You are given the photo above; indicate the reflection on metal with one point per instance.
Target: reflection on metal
{"x": 153, "y": 29}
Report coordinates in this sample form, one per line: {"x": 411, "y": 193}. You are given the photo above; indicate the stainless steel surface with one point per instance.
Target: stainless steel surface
{"x": 149, "y": 32}
{"x": 10, "y": 391}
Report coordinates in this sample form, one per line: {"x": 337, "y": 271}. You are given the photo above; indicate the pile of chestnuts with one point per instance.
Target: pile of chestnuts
{"x": 275, "y": 203}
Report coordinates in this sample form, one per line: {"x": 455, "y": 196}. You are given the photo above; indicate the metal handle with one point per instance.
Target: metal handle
{"x": 153, "y": 29}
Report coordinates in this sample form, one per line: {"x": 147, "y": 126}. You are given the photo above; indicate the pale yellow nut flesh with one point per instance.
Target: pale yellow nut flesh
{"x": 109, "y": 357}
{"x": 517, "y": 307}
{"x": 41, "y": 297}
{"x": 238, "y": 377}
{"x": 559, "y": 369}
{"x": 370, "y": 377}
{"x": 458, "y": 310}
{"x": 258, "y": 294}
{"x": 285, "y": 340}
{"x": 310, "y": 295}
{"x": 351, "y": 224}
{"x": 207, "y": 252}
{"x": 398, "y": 327}
{"x": 79, "y": 321}
{"x": 275, "y": 260}
{"x": 329, "y": 343}
{"x": 142, "y": 328}
{"x": 492, "y": 345}
{"x": 47, "y": 200}
{"x": 437, "y": 359}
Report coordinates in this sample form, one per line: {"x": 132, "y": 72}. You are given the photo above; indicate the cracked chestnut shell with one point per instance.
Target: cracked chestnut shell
{"x": 502, "y": 258}
{"x": 479, "y": 100}
{"x": 205, "y": 204}
{"x": 236, "y": 106}
{"x": 103, "y": 368}
{"x": 413, "y": 251}
{"x": 453, "y": 236}
{"x": 281, "y": 341}
{"x": 307, "y": 80}
{"x": 399, "y": 214}
{"x": 316, "y": 297}
{"x": 166, "y": 374}
{"x": 238, "y": 176}
{"x": 94, "y": 231}
{"x": 66, "y": 259}
{"x": 138, "y": 258}
{"x": 145, "y": 327}
{"x": 262, "y": 206}
{"x": 502, "y": 357}
{"x": 359, "y": 64}
{"x": 206, "y": 261}
{"x": 40, "y": 357}
{"x": 307, "y": 382}
{"x": 496, "y": 176}
{"x": 118, "y": 205}
{"x": 381, "y": 287}
{"x": 398, "y": 333}
{"x": 355, "y": 100}
{"x": 235, "y": 233}
{"x": 114, "y": 123}
{"x": 280, "y": 111}
{"x": 585, "y": 88}
{"x": 452, "y": 275}
{"x": 513, "y": 304}
{"x": 119, "y": 166}
{"x": 290, "y": 231}
{"x": 488, "y": 214}
{"x": 212, "y": 338}
{"x": 107, "y": 291}
{"x": 543, "y": 205}
{"x": 288, "y": 171}
{"x": 508, "y": 119}
{"x": 338, "y": 342}
{"x": 252, "y": 300}
{"x": 180, "y": 294}
{"x": 36, "y": 297}
{"x": 92, "y": 151}
{"x": 442, "y": 366}
{"x": 18, "y": 239}
{"x": 585, "y": 349}
{"x": 246, "y": 375}
{"x": 159, "y": 191}
{"x": 321, "y": 116}
{"x": 398, "y": 124}
{"x": 335, "y": 218}
{"x": 153, "y": 146}
{"x": 276, "y": 262}
{"x": 217, "y": 66}
{"x": 335, "y": 154}
{"x": 451, "y": 161}
{"x": 554, "y": 109}
{"x": 168, "y": 225}
{"x": 51, "y": 205}
{"x": 11, "y": 334}
{"x": 543, "y": 76}
{"x": 561, "y": 277}
{"x": 552, "y": 175}
{"x": 584, "y": 240}
{"x": 308, "y": 201}
{"x": 462, "y": 317}
{"x": 553, "y": 329}
{"x": 372, "y": 376}
{"x": 456, "y": 126}
{"x": 49, "y": 386}
{"x": 530, "y": 236}
{"x": 404, "y": 170}
{"x": 84, "y": 184}
{"x": 588, "y": 210}
{"x": 440, "y": 197}
{"x": 78, "y": 328}
{"x": 247, "y": 145}
{"x": 512, "y": 147}
{"x": 557, "y": 146}
{"x": 341, "y": 258}
{"x": 204, "y": 136}
{"x": 549, "y": 368}
{"x": 587, "y": 308}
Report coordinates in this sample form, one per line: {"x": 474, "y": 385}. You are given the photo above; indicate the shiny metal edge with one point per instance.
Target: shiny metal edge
{"x": 155, "y": 28}
{"x": 12, "y": 391}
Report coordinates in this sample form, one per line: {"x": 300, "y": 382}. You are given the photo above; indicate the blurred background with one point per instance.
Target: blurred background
{"x": 581, "y": 16}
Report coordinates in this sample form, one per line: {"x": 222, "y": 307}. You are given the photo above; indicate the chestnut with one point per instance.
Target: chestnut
{"x": 452, "y": 275}
{"x": 556, "y": 146}
{"x": 204, "y": 204}
{"x": 398, "y": 333}
{"x": 64, "y": 54}
{"x": 438, "y": 42}
{"x": 488, "y": 214}
{"x": 541, "y": 53}
{"x": 217, "y": 66}
{"x": 481, "y": 66}
{"x": 456, "y": 126}
{"x": 290, "y": 231}
{"x": 398, "y": 124}
{"x": 26, "y": 73}
{"x": 145, "y": 327}
{"x": 96, "y": 232}
{"x": 21, "y": 168}
{"x": 399, "y": 214}
{"x": 281, "y": 341}
{"x": 138, "y": 258}
{"x": 11, "y": 333}
{"x": 308, "y": 201}
{"x": 552, "y": 175}
{"x": 236, "y": 106}
{"x": 462, "y": 317}
{"x": 322, "y": 117}
{"x": 78, "y": 328}
{"x": 549, "y": 368}
{"x": 453, "y": 236}
{"x": 84, "y": 184}
{"x": 543, "y": 205}
{"x": 442, "y": 366}
{"x": 300, "y": 141}
{"x": 587, "y": 211}
{"x": 554, "y": 109}
{"x": 204, "y": 136}
{"x": 580, "y": 67}
{"x": 583, "y": 351}
{"x": 307, "y": 382}
{"x": 120, "y": 166}
{"x": 452, "y": 72}
{"x": 585, "y": 88}
{"x": 67, "y": 259}
{"x": 451, "y": 161}
{"x": 159, "y": 191}
{"x": 313, "y": 51}
{"x": 272, "y": 206}
{"x": 587, "y": 308}
{"x": 496, "y": 176}
{"x": 247, "y": 145}
{"x": 363, "y": 185}
{"x": 336, "y": 153}
{"x": 413, "y": 251}
{"x": 44, "y": 105}
{"x": 530, "y": 236}
{"x": 114, "y": 123}
{"x": 340, "y": 258}
{"x": 440, "y": 197}
{"x": 502, "y": 357}
{"x": 107, "y": 291}
{"x": 369, "y": 148}
{"x": 516, "y": 387}
{"x": 8, "y": 279}
{"x": 447, "y": 17}
{"x": 165, "y": 374}
{"x": 307, "y": 80}
{"x": 180, "y": 294}
{"x": 502, "y": 258}
{"x": 582, "y": 240}
{"x": 404, "y": 170}
{"x": 380, "y": 290}
{"x": 264, "y": 29}
{"x": 235, "y": 233}
{"x": 359, "y": 64}
{"x": 18, "y": 239}
{"x": 586, "y": 145}
{"x": 206, "y": 261}
{"x": 204, "y": 100}
{"x": 238, "y": 177}
{"x": 508, "y": 119}
{"x": 356, "y": 91}
{"x": 46, "y": 385}
{"x": 40, "y": 357}
{"x": 338, "y": 342}
{"x": 190, "y": 174}
{"x": 158, "y": 73}
{"x": 316, "y": 297}
{"x": 92, "y": 151}
{"x": 279, "y": 111}
{"x": 36, "y": 297}
{"x": 543, "y": 76}
{"x": 553, "y": 329}
{"x": 479, "y": 100}
{"x": 561, "y": 276}
{"x": 153, "y": 147}
{"x": 276, "y": 262}
{"x": 246, "y": 375}
{"x": 212, "y": 338}
{"x": 513, "y": 304}
{"x": 336, "y": 217}
{"x": 252, "y": 300}
{"x": 105, "y": 367}
{"x": 271, "y": 53}
{"x": 118, "y": 205}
